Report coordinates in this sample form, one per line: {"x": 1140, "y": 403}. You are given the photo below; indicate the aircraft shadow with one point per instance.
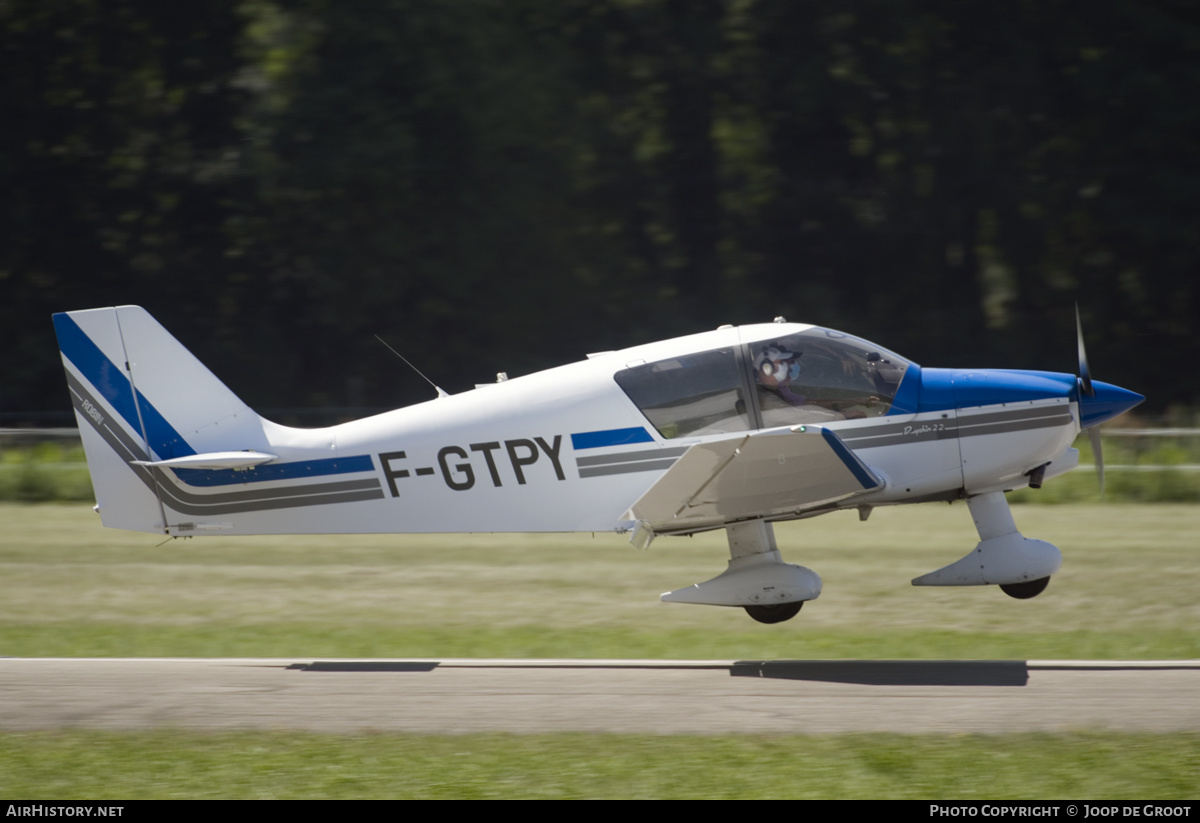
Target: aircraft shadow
{"x": 366, "y": 666}
{"x": 862, "y": 672}
{"x": 890, "y": 672}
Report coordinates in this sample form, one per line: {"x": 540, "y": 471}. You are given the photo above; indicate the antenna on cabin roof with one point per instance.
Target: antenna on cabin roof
{"x": 440, "y": 391}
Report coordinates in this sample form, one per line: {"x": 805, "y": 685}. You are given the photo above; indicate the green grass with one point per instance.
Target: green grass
{"x": 69, "y": 587}
{"x": 1167, "y": 477}
{"x": 108, "y": 765}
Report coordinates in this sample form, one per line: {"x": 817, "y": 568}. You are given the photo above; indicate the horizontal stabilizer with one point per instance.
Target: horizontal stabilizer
{"x": 759, "y": 475}
{"x": 212, "y": 460}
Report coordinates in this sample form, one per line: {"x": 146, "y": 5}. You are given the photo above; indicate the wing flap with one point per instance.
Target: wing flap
{"x": 758, "y": 475}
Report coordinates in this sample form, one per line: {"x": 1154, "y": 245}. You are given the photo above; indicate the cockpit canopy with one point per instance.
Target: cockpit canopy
{"x": 814, "y": 376}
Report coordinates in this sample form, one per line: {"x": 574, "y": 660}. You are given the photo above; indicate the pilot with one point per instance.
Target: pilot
{"x": 775, "y": 368}
{"x": 777, "y": 371}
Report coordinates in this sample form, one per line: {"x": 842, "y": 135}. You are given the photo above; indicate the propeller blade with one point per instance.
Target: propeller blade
{"x": 1097, "y": 455}
{"x": 1085, "y": 373}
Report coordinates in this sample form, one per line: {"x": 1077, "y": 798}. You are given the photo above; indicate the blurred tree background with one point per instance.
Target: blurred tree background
{"x": 508, "y": 184}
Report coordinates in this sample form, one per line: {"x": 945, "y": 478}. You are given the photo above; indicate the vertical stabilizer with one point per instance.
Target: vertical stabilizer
{"x": 140, "y": 397}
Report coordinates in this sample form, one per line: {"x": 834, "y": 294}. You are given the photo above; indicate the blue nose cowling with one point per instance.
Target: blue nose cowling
{"x": 942, "y": 389}
{"x": 1107, "y": 401}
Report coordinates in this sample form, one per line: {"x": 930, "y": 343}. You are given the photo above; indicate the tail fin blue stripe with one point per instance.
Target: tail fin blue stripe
{"x": 113, "y": 385}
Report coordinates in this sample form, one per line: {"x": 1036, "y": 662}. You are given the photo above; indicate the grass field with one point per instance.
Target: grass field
{"x": 71, "y": 588}
{"x": 167, "y": 764}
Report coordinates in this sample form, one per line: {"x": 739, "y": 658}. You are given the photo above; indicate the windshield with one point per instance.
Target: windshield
{"x": 821, "y": 375}
{"x": 814, "y": 376}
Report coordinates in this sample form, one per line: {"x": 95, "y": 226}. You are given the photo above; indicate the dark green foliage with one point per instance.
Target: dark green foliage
{"x": 495, "y": 185}
{"x": 117, "y": 163}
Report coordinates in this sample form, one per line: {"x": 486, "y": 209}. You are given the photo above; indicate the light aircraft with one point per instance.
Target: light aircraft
{"x": 730, "y": 429}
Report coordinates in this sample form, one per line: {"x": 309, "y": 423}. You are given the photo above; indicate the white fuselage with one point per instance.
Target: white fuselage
{"x": 567, "y": 450}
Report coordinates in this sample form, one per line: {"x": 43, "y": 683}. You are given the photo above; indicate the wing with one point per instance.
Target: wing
{"x": 765, "y": 474}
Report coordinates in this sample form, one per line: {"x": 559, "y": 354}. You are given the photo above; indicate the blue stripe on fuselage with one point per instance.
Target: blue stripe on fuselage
{"x": 610, "y": 437}
{"x": 277, "y": 471}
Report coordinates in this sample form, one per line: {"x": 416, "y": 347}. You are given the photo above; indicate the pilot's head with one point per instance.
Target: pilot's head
{"x": 775, "y": 366}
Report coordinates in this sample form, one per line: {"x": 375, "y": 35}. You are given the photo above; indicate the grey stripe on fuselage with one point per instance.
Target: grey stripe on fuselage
{"x": 622, "y": 457}
{"x": 626, "y": 468}
{"x": 917, "y": 431}
{"x": 624, "y": 462}
{"x": 1001, "y": 422}
{"x": 866, "y": 437}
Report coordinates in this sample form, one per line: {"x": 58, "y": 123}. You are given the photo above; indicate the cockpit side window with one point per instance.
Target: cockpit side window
{"x": 693, "y": 394}
{"x": 819, "y": 375}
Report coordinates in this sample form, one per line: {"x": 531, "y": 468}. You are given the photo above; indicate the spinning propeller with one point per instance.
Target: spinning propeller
{"x": 1087, "y": 390}
{"x": 1098, "y": 401}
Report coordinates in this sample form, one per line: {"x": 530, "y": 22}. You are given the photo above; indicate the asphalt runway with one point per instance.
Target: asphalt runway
{"x": 667, "y": 697}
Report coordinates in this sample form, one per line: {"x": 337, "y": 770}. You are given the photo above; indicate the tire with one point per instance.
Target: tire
{"x": 1024, "y": 591}
{"x": 774, "y": 614}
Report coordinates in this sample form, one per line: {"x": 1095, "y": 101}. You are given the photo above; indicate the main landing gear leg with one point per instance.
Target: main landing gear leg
{"x": 1004, "y": 557}
{"x": 757, "y": 579}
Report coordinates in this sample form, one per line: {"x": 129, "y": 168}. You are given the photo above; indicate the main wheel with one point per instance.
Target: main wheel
{"x": 1024, "y": 591}
{"x": 774, "y": 614}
